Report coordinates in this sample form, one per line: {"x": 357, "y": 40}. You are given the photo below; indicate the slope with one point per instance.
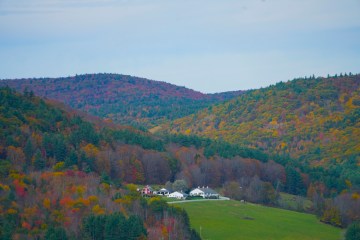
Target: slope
{"x": 56, "y": 180}
{"x": 124, "y": 99}
{"x": 52, "y": 159}
{"x": 315, "y": 120}
{"x": 235, "y": 220}
{"x": 38, "y": 135}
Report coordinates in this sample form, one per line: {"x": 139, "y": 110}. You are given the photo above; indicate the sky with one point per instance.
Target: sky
{"x": 207, "y": 45}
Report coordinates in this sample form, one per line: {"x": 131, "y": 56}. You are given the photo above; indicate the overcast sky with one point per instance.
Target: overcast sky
{"x": 206, "y": 45}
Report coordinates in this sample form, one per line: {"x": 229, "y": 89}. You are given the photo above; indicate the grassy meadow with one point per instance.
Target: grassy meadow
{"x": 234, "y": 220}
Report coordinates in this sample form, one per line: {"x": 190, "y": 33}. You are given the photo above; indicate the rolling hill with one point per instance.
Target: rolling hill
{"x": 124, "y": 99}
{"x": 61, "y": 175}
{"x": 315, "y": 120}
{"x": 38, "y": 134}
{"x": 61, "y": 169}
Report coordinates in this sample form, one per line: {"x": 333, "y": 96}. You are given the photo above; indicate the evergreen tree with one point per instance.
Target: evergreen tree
{"x": 71, "y": 159}
{"x": 29, "y": 151}
{"x": 194, "y": 235}
{"x": 105, "y": 178}
{"x": 8, "y": 225}
{"x": 135, "y": 227}
{"x": 353, "y": 231}
{"x": 48, "y": 144}
{"x": 60, "y": 150}
{"x": 93, "y": 227}
{"x": 115, "y": 227}
{"x": 294, "y": 183}
{"x": 39, "y": 161}
{"x": 57, "y": 233}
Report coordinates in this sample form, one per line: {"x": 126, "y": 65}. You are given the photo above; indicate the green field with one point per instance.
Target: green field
{"x": 234, "y": 220}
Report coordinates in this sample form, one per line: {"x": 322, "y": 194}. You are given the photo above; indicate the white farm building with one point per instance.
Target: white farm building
{"x": 204, "y": 192}
{"x": 163, "y": 192}
{"x": 178, "y": 195}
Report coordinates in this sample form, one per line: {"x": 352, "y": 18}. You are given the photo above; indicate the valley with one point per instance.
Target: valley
{"x": 179, "y": 120}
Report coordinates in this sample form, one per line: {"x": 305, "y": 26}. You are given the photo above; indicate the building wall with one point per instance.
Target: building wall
{"x": 196, "y": 192}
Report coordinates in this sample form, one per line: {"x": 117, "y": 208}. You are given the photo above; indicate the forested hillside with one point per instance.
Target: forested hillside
{"x": 63, "y": 175}
{"x": 56, "y": 179}
{"x": 36, "y": 136}
{"x": 316, "y": 120}
{"x": 124, "y": 99}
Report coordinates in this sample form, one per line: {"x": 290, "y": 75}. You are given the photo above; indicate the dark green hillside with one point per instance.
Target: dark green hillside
{"x": 125, "y": 99}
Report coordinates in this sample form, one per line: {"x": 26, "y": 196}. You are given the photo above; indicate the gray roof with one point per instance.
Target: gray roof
{"x": 207, "y": 190}
{"x": 184, "y": 194}
{"x": 163, "y": 190}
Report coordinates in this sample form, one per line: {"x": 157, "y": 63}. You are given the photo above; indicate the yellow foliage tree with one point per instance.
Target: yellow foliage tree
{"x": 91, "y": 150}
{"x": 46, "y": 203}
{"x": 93, "y": 199}
{"x": 98, "y": 210}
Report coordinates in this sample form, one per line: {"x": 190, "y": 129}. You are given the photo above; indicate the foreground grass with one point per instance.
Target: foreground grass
{"x": 235, "y": 220}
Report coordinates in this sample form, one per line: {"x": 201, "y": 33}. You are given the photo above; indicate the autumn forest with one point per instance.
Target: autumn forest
{"x": 74, "y": 150}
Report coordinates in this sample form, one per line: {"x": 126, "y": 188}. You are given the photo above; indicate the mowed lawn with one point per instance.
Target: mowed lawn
{"x": 234, "y": 220}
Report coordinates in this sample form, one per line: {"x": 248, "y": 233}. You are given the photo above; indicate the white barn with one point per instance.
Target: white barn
{"x": 204, "y": 192}
{"x": 178, "y": 195}
{"x": 163, "y": 192}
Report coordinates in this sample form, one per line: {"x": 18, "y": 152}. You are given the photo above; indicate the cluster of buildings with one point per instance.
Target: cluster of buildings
{"x": 204, "y": 192}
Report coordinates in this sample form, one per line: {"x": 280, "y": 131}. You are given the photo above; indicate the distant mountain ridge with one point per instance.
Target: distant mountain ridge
{"x": 124, "y": 99}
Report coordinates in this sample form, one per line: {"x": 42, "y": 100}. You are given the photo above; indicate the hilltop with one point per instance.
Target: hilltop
{"x": 316, "y": 120}
{"x": 124, "y": 99}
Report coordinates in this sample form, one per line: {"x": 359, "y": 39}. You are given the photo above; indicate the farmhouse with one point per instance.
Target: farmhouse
{"x": 204, "y": 192}
{"x": 147, "y": 191}
{"x": 178, "y": 195}
{"x": 163, "y": 192}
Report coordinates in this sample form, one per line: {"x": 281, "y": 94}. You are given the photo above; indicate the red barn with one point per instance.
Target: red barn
{"x": 147, "y": 191}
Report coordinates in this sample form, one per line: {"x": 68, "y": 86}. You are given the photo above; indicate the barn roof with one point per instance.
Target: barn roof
{"x": 208, "y": 190}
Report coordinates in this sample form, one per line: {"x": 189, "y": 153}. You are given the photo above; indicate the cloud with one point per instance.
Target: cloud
{"x": 207, "y": 17}
{"x": 196, "y": 39}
